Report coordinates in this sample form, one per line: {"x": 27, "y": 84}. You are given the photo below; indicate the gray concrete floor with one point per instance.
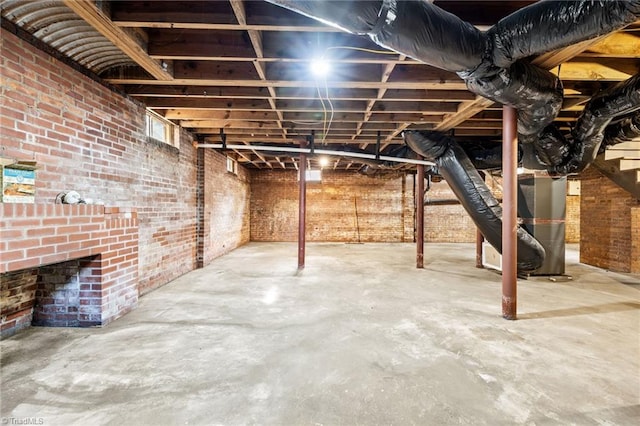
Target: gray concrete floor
{"x": 360, "y": 337}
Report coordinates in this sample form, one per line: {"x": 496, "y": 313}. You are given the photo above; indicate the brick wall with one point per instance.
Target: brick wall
{"x": 17, "y": 297}
{"x": 446, "y": 222}
{"x": 89, "y": 138}
{"x": 35, "y": 236}
{"x": 345, "y": 207}
{"x": 226, "y": 215}
{"x": 572, "y": 219}
{"x": 609, "y": 232}
{"x": 409, "y": 208}
{"x": 635, "y": 240}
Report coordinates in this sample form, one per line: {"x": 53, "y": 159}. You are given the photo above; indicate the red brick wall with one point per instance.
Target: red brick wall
{"x": 572, "y": 219}
{"x": 409, "y": 208}
{"x": 380, "y": 201}
{"x": 446, "y": 222}
{"x": 17, "y": 297}
{"x": 609, "y": 232}
{"x": 35, "y": 236}
{"x": 226, "y": 206}
{"x": 635, "y": 240}
{"x": 89, "y": 138}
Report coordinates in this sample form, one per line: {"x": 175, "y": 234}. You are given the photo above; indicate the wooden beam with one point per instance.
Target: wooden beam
{"x": 588, "y": 71}
{"x": 629, "y": 164}
{"x": 88, "y": 11}
{"x": 386, "y": 73}
{"x": 225, "y": 27}
{"x": 620, "y": 44}
{"x": 612, "y": 154}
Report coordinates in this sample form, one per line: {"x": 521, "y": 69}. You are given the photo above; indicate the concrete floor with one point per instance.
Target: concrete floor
{"x": 360, "y": 337}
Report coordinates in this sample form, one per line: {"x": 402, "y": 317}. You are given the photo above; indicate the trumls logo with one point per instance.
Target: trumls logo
{"x": 22, "y": 420}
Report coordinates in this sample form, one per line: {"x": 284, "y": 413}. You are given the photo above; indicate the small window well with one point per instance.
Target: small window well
{"x": 160, "y": 129}
{"x": 232, "y": 165}
{"x": 312, "y": 175}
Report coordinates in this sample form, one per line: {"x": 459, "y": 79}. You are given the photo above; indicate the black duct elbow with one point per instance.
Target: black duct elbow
{"x": 469, "y": 187}
{"x": 534, "y": 92}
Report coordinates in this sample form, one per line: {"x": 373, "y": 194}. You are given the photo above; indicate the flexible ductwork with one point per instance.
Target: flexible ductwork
{"x": 587, "y": 136}
{"x": 492, "y": 63}
{"x": 622, "y": 131}
{"x": 465, "y": 181}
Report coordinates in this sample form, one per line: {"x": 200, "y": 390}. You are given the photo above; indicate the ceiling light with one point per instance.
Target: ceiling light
{"x": 319, "y": 67}
{"x": 324, "y": 161}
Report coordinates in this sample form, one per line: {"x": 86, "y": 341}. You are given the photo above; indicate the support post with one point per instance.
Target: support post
{"x": 479, "y": 238}
{"x": 479, "y": 251}
{"x": 302, "y": 208}
{"x": 419, "y": 195}
{"x": 509, "y": 212}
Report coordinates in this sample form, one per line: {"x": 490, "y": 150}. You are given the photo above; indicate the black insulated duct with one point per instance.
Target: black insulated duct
{"x": 492, "y": 63}
{"x": 620, "y": 100}
{"x": 465, "y": 181}
{"x": 549, "y": 25}
{"x": 623, "y": 130}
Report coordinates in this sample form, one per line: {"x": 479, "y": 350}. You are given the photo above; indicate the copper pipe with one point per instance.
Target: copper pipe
{"x": 509, "y": 212}
{"x": 419, "y": 195}
{"x": 302, "y": 208}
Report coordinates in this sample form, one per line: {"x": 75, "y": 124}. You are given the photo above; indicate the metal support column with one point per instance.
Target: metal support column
{"x": 419, "y": 196}
{"x": 302, "y": 208}
{"x": 479, "y": 241}
{"x": 509, "y": 212}
{"x": 479, "y": 238}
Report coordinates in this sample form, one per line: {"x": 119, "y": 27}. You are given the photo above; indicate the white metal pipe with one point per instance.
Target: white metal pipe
{"x": 315, "y": 151}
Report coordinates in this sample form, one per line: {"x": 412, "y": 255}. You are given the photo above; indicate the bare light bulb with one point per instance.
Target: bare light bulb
{"x": 319, "y": 67}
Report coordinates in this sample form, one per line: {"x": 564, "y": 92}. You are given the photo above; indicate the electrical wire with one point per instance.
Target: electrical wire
{"x": 362, "y": 49}
{"x": 326, "y": 125}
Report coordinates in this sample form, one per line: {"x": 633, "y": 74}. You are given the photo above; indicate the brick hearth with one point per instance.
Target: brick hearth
{"x": 66, "y": 265}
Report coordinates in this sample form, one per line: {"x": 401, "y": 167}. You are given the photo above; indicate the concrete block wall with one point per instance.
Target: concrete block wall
{"x": 609, "y": 231}
{"x": 345, "y": 207}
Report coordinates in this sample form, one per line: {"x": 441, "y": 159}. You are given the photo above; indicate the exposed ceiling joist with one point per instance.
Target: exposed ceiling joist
{"x": 88, "y": 11}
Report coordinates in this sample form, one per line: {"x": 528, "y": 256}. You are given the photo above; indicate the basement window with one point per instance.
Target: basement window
{"x": 232, "y": 165}
{"x": 312, "y": 175}
{"x": 160, "y": 129}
